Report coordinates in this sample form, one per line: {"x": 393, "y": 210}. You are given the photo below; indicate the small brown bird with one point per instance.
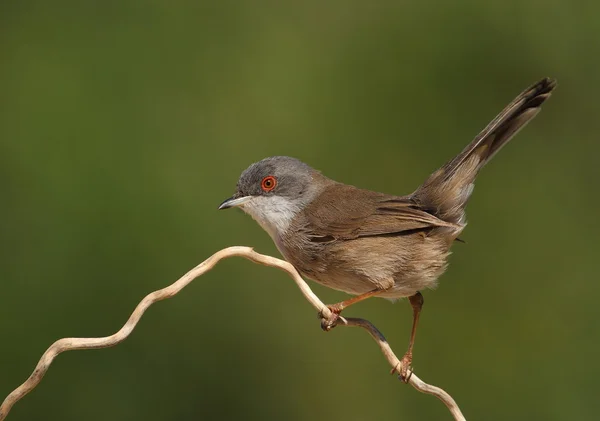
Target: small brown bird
{"x": 371, "y": 244}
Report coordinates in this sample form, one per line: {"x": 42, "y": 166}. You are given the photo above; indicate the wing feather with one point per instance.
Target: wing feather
{"x": 345, "y": 212}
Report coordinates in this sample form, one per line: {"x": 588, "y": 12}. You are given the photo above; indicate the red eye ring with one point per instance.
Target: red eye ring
{"x": 268, "y": 183}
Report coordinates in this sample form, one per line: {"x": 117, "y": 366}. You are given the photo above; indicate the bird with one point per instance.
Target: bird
{"x": 371, "y": 244}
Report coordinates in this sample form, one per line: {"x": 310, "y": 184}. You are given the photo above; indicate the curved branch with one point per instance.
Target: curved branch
{"x": 416, "y": 382}
{"x": 71, "y": 344}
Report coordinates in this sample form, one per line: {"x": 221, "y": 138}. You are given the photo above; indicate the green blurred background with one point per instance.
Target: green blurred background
{"x": 124, "y": 124}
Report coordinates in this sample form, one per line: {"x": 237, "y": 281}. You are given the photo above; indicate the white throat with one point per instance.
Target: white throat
{"x": 273, "y": 213}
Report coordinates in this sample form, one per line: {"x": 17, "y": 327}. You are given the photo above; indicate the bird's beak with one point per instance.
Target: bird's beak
{"x": 234, "y": 201}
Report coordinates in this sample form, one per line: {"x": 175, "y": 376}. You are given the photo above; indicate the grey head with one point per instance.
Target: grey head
{"x": 274, "y": 190}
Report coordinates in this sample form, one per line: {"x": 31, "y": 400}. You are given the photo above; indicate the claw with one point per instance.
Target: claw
{"x": 405, "y": 372}
{"x": 328, "y": 323}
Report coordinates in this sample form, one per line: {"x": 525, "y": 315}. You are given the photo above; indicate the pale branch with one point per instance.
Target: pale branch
{"x": 70, "y": 344}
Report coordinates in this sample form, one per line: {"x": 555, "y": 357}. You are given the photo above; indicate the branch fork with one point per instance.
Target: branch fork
{"x": 71, "y": 344}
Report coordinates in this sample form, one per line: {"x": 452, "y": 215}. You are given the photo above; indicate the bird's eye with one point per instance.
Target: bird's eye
{"x": 268, "y": 183}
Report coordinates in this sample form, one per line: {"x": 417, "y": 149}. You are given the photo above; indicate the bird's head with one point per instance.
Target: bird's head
{"x": 274, "y": 190}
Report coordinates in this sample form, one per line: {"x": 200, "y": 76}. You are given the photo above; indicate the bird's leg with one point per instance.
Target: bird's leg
{"x": 416, "y": 301}
{"x": 328, "y": 323}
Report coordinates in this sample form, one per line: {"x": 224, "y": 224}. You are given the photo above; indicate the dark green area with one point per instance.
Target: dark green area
{"x": 124, "y": 124}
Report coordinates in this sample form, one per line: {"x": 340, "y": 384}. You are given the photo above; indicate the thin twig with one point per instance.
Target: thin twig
{"x": 416, "y": 382}
{"x": 71, "y": 344}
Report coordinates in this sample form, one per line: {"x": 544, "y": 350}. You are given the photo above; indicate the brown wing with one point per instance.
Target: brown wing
{"x": 346, "y": 212}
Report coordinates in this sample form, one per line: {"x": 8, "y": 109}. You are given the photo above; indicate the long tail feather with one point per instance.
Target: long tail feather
{"x": 445, "y": 193}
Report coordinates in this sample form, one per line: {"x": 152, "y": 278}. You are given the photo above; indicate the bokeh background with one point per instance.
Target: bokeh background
{"x": 124, "y": 124}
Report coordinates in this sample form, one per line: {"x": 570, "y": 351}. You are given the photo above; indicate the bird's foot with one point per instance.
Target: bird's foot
{"x": 328, "y": 323}
{"x": 405, "y": 371}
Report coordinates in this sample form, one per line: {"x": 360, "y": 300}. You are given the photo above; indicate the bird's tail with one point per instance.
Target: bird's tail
{"x": 446, "y": 191}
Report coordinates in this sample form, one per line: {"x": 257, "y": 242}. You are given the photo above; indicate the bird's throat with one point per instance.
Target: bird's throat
{"x": 273, "y": 213}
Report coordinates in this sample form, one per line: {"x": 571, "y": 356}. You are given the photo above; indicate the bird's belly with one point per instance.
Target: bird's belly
{"x": 404, "y": 285}
{"x": 313, "y": 265}
{"x": 346, "y": 282}
{"x": 369, "y": 264}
